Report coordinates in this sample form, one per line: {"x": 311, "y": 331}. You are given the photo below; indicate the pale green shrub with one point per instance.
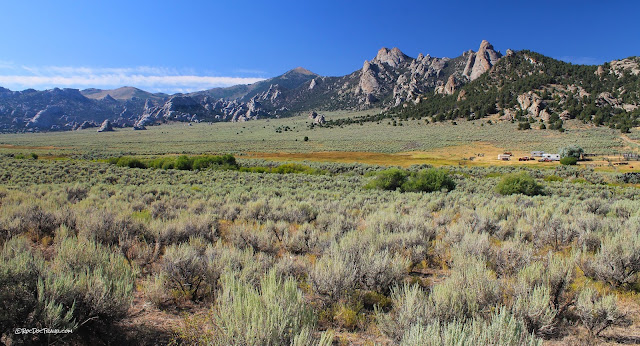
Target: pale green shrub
{"x": 535, "y": 310}
{"x": 618, "y": 260}
{"x": 334, "y": 275}
{"x": 596, "y": 312}
{"x": 248, "y": 265}
{"x": 185, "y": 269}
{"x": 274, "y": 314}
{"x": 98, "y": 282}
{"x": 509, "y": 257}
{"x": 502, "y": 329}
{"x": 471, "y": 289}
{"x": 410, "y": 307}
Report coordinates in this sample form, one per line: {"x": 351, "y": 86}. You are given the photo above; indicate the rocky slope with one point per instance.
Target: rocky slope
{"x": 530, "y": 88}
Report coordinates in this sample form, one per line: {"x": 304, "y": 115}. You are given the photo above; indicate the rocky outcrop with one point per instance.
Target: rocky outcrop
{"x": 531, "y": 103}
{"x": 369, "y": 80}
{"x": 106, "y": 126}
{"x": 393, "y": 72}
{"x": 47, "y": 117}
{"x": 449, "y": 88}
{"x": 628, "y": 65}
{"x": 317, "y": 119}
{"x": 85, "y": 125}
{"x": 482, "y": 61}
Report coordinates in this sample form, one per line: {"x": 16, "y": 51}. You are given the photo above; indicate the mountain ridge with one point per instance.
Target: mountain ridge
{"x": 391, "y": 80}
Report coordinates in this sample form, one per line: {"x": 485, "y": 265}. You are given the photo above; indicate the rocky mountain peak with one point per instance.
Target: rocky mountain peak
{"x": 482, "y": 61}
{"x": 392, "y": 57}
{"x": 302, "y": 70}
{"x": 485, "y": 45}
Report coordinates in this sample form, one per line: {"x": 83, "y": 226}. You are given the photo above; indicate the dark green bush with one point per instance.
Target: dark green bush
{"x": 428, "y": 181}
{"x": 208, "y": 161}
{"x": 519, "y": 183}
{"x": 184, "y": 163}
{"x": 389, "y": 179}
{"x": 424, "y": 181}
{"x": 130, "y": 162}
{"x": 569, "y": 161}
{"x": 293, "y": 168}
{"x": 162, "y": 162}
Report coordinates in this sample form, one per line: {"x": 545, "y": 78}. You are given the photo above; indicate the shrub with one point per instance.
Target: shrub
{"x": 378, "y": 270}
{"x": 334, "y": 275}
{"x": 84, "y": 284}
{"x": 524, "y": 126}
{"x": 502, "y": 329}
{"x": 289, "y": 168}
{"x": 510, "y": 257}
{"x": 20, "y": 271}
{"x": 184, "y": 163}
{"x": 76, "y": 193}
{"x": 273, "y": 314}
{"x": 470, "y": 290}
{"x": 618, "y": 261}
{"x": 519, "y": 183}
{"x": 597, "y": 313}
{"x": 207, "y": 161}
{"x": 185, "y": 269}
{"x": 425, "y": 181}
{"x": 389, "y": 179}
{"x": 36, "y": 221}
{"x": 130, "y": 162}
{"x": 428, "y": 181}
{"x": 410, "y": 307}
{"x": 90, "y": 277}
{"x": 535, "y": 310}
{"x": 569, "y": 161}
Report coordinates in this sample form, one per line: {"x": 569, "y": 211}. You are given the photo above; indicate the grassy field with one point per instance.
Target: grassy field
{"x": 269, "y": 136}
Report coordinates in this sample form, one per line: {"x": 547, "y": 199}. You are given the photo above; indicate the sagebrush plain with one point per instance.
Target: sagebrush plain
{"x": 320, "y": 251}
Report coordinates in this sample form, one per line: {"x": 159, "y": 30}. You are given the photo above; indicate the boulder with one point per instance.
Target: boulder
{"x": 317, "y": 118}
{"x": 106, "y": 126}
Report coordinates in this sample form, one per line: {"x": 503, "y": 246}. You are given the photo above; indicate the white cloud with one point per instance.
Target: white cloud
{"x": 156, "y": 79}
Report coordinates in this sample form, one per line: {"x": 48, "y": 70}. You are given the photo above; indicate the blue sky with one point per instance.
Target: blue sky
{"x": 175, "y": 46}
